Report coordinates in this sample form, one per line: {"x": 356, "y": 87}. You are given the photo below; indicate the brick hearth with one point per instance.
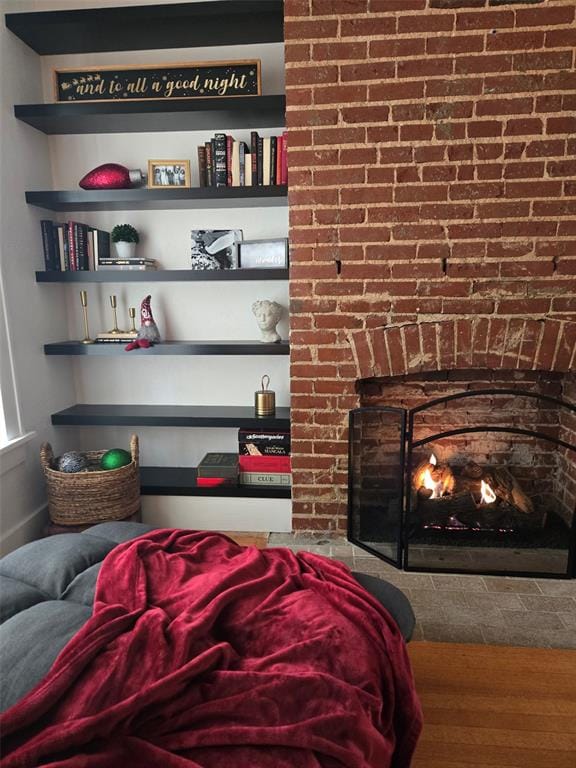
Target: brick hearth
{"x": 432, "y": 202}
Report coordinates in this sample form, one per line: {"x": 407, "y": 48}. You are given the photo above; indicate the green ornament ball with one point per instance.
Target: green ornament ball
{"x": 115, "y": 458}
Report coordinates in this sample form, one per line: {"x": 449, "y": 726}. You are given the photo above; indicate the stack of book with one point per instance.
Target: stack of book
{"x": 264, "y": 457}
{"x": 72, "y": 246}
{"x": 217, "y": 469}
{"x": 225, "y": 162}
{"x": 114, "y": 263}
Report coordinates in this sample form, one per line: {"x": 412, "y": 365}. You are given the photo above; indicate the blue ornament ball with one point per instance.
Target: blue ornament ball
{"x": 72, "y": 462}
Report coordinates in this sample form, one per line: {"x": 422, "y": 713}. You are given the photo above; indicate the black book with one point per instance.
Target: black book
{"x": 202, "y": 166}
{"x": 47, "y": 227}
{"x": 218, "y": 465}
{"x": 254, "y": 156}
{"x": 220, "y": 165}
{"x": 56, "y": 240}
{"x": 260, "y": 161}
{"x": 209, "y": 164}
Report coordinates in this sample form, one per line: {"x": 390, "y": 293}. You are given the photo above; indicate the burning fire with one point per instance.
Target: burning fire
{"x": 429, "y": 483}
{"x": 488, "y": 495}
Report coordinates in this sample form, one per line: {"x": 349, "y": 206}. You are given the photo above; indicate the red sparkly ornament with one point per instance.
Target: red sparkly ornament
{"x": 111, "y": 176}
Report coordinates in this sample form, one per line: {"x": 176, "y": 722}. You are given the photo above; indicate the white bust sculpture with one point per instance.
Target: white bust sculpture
{"x": 267, "y": 314}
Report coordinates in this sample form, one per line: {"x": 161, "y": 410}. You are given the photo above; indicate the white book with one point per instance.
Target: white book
{"x": 248, "y": 171}
{"x": 236, "y": 164}
{"x": 266, "y": 160}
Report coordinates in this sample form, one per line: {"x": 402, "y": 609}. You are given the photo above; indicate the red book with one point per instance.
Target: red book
{"x": 279, "y": 150}
{"x": 213, "y": 482}
{"x": 264, "y": 464}
{"x": 284, "y": 176}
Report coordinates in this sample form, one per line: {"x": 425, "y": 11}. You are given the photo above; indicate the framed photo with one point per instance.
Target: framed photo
{"x": 263, "y": 254}
{"x": 168, "y": 174}
{"x": 215, "y": 248}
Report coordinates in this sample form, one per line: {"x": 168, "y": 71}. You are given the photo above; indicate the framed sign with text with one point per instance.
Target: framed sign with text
{"x": 200, "y": 80}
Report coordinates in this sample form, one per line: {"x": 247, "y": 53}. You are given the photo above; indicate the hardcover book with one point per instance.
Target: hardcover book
{"x": 264, "y": 463}
{"x": 218, "y": 465}
{"x": 266, "y": 478}
{"x": 263, "y": 437}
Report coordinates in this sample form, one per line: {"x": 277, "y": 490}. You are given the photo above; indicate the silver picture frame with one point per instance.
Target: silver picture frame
{"x": 263, "y": 254}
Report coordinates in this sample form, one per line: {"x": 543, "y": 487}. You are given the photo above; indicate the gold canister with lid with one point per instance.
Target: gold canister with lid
{"x": 265, "y": 399}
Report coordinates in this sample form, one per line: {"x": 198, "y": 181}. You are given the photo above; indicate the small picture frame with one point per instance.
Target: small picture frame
{"x": 168, "y": 174}
{"x": 263, "y": 254}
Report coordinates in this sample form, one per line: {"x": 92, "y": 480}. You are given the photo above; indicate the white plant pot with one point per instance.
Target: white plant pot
{"x": 125, "y": 250}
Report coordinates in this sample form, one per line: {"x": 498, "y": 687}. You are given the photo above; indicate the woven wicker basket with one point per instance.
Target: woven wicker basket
{"x": 95, "y": 496}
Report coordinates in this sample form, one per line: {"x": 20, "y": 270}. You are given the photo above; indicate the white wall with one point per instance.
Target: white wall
{"x": 32, "y": 315}
{"x": 182, "y": 310}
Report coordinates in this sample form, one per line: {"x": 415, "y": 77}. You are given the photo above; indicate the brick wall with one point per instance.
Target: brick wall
{"x": 432, "y": 177}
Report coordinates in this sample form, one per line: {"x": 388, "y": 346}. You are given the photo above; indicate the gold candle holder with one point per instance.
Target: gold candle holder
{"x": 132, "y": 314}
{"x": 84, "y": 302}
{"x": 114, "y": 305}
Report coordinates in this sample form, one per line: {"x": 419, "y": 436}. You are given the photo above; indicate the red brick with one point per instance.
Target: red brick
{"x": 561, "y": 125}
{"x": 364, "y": 235}
{"x": 447, "y": 212}
{"x": 381, "y": 133}
{"x": 325, "y": 216}
{"x": 438, "y": 173}
{"x": 416, "y": 132}
{"x": 332, "y": 136}
{"x": 475, "y": 191}
{"x": 510, "y": 41}
{"x": 311, "y": 75}
{"x": 468, "y": 65}
{"x": 526, "y": 307}
{"x": 453, "y": 44}
{"x": 393, "y": 49}
{"x": 478, "y": 128}
{"x": 501, "y": 210}
{"x": 393, "y": 213}
{"x": 404, "y": 112}
{"x": 561, "y": 38}
{"x": 313, "y": 197}
{"x": 394, "y": 91}
{"x": 522, "y": 106}
{"x": 526, "y": 62}
{"x": 339, "y": 176}
{"x": 489, "y": 151}
{"x": 466, "y": 86}
{"x": 424, "y": 67}
{"x": 365, "y": 155}
{"x": 310, "y": 29}
{"x": 562, "y": 168}
{"x": 373, "y": 70}
{"x": 339, "y": 94}
{"x": 380, "y": 175}
{"x": 524, "y": 170}
{"x": 545, "y": 148}
{"x": 312, "y": 157}
{"x": 514, "y": 84}
{"x": 413, "y": 192}
{"x": 385, "y": 25}
{"x": 369, "y": 114}
{"x": 311, "y": 117}
{"x": 429, "y": 154}
{"x": 425, "y": 22}
{"x": 461, "y": 152}
{"x": 532, "y": 189}
{"x": 297, "y": 52}
{"x": 548, "y": 342}
{"x": 338, "y": 51}
{"x": 361, "y": 195}
{"x": 544, "y": 17}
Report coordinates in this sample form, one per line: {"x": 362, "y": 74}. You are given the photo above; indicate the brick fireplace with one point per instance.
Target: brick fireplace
{"x": 432, "y": 211}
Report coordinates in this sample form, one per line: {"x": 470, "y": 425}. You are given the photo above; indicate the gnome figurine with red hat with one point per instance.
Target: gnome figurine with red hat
{"x": 148, "y": 333}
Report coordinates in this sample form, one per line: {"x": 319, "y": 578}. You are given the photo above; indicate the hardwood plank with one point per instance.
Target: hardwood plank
{"x": 495, "y": 706}
{"x": 259, "y": 540}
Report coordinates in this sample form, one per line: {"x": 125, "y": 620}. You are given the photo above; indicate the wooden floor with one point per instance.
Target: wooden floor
{"x": 259, "y": 540}
{"x": 495, "y": 706}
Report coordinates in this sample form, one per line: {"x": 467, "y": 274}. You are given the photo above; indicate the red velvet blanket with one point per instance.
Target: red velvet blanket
{"x": 204, "y": 653}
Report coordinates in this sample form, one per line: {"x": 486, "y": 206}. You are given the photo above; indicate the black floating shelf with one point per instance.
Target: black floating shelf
{"x": 161, "y": 276}
{"x": 170, "y": 416}
{"x": 166, "y": 115}
{"x": 182, "y": 25}
{"x": 170, "y": 348}
{"x": 181, "y": 481}
{"x": 158, "y": 199}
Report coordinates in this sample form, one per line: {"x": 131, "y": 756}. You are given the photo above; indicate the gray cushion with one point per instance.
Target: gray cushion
{"x": 118, "y": 531}
{"x": 30, "y": 642}
{"x": 16, "y": 596}
{"x": 395, "y": 601}
{"x": 52, "y": 563}
{"x": 82, "y": 588}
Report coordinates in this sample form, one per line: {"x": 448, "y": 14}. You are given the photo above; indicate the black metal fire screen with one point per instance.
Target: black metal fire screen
{"x": 483, "y": 481}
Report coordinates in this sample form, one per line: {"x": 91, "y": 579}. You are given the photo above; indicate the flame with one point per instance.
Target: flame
{"x": 429, "y": 483}
{"x": 488, "y": 495}
{"x": 432, "y": 460}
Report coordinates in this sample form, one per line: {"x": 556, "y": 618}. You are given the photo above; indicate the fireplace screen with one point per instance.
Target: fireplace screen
{"x": 479, "y": 482}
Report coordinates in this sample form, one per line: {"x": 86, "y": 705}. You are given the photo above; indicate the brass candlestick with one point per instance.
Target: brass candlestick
{"x": 114, "y": 305}
{"x": 84, "y": 301}
{"x": 132, "y": 315}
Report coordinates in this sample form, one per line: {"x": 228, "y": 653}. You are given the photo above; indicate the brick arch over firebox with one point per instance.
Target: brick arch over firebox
{"x": 465, "y": 343}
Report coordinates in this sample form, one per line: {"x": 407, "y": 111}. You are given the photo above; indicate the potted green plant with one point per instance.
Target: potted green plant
{"x": 125, "y": 237}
